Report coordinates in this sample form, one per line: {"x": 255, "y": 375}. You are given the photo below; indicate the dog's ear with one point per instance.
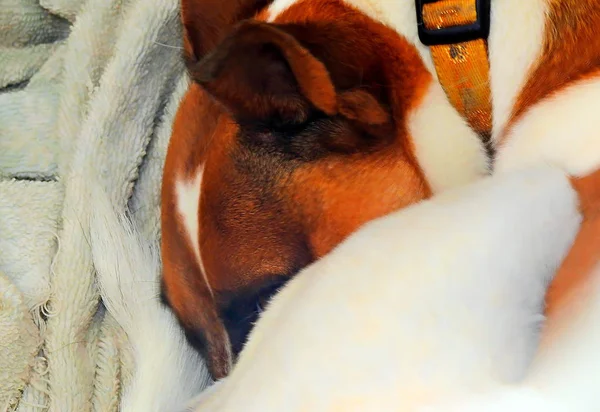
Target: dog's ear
{"x": 185, "y": 290}
{"x": 206, "y": 332}
{"x": 206, "y": 22}
{"x": 260, "y": 72}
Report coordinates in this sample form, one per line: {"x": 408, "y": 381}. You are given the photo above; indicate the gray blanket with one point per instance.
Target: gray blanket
{"x": 88, "y": 90}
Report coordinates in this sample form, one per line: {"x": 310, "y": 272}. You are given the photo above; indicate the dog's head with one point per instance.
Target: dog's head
{"x": 302, "y": 138}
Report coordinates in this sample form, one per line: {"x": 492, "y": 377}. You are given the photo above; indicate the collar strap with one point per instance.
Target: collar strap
{"x": 456, "y": 32}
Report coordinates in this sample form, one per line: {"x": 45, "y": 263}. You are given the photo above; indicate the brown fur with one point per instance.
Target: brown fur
{"x": 585, "y": 253}
{"x": 571, "y": 51}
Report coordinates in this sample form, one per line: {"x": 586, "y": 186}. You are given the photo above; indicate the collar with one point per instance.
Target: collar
{"x": 456, "y": 33}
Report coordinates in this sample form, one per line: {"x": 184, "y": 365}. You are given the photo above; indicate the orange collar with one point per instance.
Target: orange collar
{"x": 456, "y": 32}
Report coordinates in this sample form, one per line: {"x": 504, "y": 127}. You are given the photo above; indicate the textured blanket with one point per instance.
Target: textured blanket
{"x": 88, "y": 90}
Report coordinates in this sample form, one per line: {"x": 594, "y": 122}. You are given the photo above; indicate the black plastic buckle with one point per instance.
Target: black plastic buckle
{"x": 455, "y": 34}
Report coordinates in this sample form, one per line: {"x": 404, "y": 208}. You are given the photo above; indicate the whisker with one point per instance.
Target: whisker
{"x": 168, "y": 46}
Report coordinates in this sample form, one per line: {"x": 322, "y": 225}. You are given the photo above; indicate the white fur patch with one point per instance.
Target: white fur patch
{"x": 448, "y": 150}
{"x": 515, "y": 43}
{"x": 562, "y": 130}
{"x": 187, "y": 192}
{"x": 430, "y": 302}
{"x": 277, "y": 7}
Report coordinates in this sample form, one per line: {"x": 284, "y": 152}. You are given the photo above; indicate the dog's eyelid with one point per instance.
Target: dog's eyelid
{"x": 277, "y": 125}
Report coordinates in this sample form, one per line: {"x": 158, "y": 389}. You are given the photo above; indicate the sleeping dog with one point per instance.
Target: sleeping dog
{"x": 317, "y": 116}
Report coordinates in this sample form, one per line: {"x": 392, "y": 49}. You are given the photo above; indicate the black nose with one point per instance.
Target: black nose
{"x": 244, "y": 307}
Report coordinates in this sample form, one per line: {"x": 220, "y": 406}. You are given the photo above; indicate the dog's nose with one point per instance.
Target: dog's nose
{"x": 243, "y": 309}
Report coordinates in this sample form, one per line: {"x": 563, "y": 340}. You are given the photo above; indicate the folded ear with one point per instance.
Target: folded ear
{"x": 187, "y": 292}
{"x": 206, "y": 332}
{"x": 261, "y": 72}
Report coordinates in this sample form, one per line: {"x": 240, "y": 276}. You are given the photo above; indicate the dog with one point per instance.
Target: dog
{"x": 317, "y": 116}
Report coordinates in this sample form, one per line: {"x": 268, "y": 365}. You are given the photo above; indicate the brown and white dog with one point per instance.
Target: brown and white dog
{"x": 318, "y": 116}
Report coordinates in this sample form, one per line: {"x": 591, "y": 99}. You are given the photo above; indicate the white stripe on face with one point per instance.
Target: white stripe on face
{"x": 187, "y": 193}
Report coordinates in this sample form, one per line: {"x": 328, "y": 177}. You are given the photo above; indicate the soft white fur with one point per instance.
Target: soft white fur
{"x": 515, "y": 43}
{"x": 128, "y": 268}
{"x": 421, "y": 307}
{"x": 449, "y": 153}
{"x": 565, "y": 373}
{"x": 568, "y": 363}
{"x": 562, "y": 130}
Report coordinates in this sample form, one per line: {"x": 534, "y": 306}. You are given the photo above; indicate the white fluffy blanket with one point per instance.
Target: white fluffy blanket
{"x": 88, "y": 89}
